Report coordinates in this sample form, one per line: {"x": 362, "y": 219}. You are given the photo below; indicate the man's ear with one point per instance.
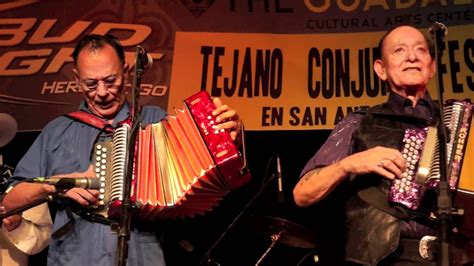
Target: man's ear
{"x": 126, "y": 70}
{"x": 379, "y": 68}
{"x": 432, "y": 68}
{"x": 78, "y": 80}
{"x": 76, "y": 75}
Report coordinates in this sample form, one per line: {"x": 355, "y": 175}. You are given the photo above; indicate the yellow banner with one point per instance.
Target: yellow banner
{"x": 300, "y": 81}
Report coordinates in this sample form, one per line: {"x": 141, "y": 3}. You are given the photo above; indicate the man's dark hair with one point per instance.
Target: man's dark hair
{"x": 97, "y": 42}
{"x": 382, "y": 40}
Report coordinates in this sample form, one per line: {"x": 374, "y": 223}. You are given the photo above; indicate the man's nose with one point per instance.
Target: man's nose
{"x": 101, "y": 88}
{"x": 411, "y": 55}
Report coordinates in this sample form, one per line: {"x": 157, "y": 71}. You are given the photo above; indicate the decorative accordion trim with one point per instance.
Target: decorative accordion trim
{"x": 420, "y": 150}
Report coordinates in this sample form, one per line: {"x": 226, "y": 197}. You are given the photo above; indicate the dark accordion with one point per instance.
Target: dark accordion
{"x": 420, "y": 150}
{"x": 182, "y": 166}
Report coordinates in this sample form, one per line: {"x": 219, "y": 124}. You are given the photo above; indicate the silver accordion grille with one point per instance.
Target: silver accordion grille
{"x": 429, "y": 164}
{"x": 119, "y": 161}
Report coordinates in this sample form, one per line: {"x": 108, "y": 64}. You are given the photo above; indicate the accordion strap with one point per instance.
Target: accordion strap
{"x": 91, "y": 120}
{"x": 378, "y": 199}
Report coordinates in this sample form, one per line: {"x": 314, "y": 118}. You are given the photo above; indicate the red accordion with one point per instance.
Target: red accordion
{"x": 183, "y": 166}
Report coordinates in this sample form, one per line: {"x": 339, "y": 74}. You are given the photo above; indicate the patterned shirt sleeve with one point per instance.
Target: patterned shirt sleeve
{"x": 337, "y": 146}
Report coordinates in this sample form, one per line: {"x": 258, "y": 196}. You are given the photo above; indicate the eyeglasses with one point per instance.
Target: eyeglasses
{"x": 110, "y": 82}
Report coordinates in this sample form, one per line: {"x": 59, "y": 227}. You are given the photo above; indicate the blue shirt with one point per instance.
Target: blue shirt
{"x": 65, "y": 146}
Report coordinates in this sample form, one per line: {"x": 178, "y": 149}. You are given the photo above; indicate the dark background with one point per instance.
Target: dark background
{"x": 187, "y": 241}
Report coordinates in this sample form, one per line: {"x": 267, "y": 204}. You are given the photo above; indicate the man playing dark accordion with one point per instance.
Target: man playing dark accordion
{"x": 362, "y": 153}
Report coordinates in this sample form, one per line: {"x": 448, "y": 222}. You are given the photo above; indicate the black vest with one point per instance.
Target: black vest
{"x": 372, "y": 233}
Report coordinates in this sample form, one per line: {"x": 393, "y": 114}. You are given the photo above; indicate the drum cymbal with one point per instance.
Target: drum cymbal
{"x": 291, "y": 234}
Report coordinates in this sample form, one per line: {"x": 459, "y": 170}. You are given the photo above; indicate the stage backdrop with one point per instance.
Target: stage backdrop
{"x": 284, "y": 64}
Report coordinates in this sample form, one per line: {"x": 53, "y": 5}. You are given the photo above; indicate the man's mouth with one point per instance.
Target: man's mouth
{"x": 412, "y": 69}
{"x": 104, "y": 105}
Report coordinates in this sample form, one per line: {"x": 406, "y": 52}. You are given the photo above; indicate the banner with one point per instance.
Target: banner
{"x": 283, "y": 81}
{"x": 283, "y": 64}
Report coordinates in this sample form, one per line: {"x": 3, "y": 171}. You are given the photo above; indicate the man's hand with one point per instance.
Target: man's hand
{"x": 12, "y": 222}
{"x": 386, "y": 162}
{"x": 85, "y": 197}
{"x": 21, "y": 195}
{"x": 25, "y": 193}
{"x": 227, "y": 118}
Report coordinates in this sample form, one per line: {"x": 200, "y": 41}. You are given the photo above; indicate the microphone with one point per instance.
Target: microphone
{"x": 67, "y": 182}
{"x": 145, "y": 59}
{"x": 281, "y": 193}
{"x": 439, "y": 28}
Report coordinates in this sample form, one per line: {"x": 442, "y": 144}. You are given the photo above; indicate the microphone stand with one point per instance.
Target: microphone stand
{"x": 126, "y": 208}
{"x": 207, "y": 256}
{"x": 444, "y": 203}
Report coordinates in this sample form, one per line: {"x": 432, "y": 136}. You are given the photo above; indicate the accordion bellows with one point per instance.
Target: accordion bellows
{"x": 183, "y": 166}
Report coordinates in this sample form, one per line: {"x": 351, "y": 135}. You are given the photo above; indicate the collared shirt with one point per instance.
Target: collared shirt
{"x": 33, "y": 233}
{"x": 64, "y": 146}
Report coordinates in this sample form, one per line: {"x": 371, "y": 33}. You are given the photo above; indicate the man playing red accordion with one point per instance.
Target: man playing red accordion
{"x": 64, "y": 148}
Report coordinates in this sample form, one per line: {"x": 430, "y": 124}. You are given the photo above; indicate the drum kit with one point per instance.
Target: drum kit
{"x": 284, "y": 232}
{"x": 281, "y": 231}
{"x": 268, "y": 240}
